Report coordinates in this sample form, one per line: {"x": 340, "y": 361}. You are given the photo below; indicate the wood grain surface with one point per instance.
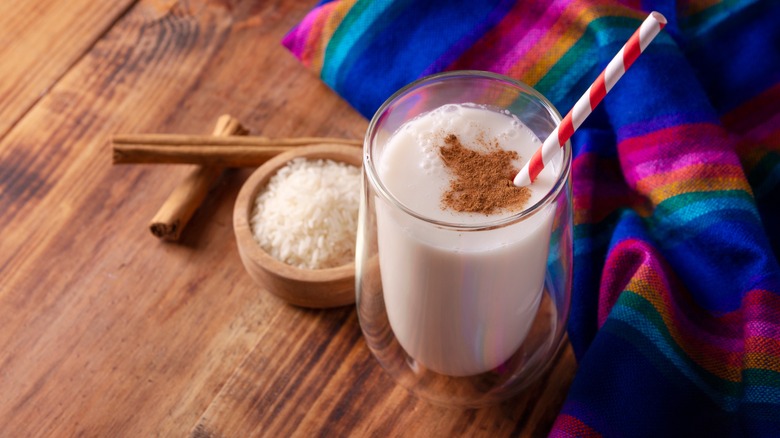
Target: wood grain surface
{"x": 107, "y": 331}
{"x": 40, "y": 41}
{"x": 338, "y": 389}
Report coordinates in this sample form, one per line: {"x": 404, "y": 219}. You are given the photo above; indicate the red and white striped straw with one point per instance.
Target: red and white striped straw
{"x": 588, "y": 102}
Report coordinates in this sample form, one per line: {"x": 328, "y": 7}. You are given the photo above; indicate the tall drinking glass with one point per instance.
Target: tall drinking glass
{"x": 461, "y": 311}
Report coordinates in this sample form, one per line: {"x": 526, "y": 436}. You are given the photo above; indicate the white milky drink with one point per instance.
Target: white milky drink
{"x": 459, "y": 302}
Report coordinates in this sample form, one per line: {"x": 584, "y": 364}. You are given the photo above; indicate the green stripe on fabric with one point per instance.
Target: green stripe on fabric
{"x": 688, "y": 221}
{"x": 761, "y": 377}
{"x": 703, "y": 21}
{"x": 573, "y": 65}
{"x": 670, "y": 205}
{"x": 590, "y": 237}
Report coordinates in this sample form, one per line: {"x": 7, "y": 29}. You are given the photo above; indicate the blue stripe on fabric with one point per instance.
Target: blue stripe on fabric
{"x": 732, "y": 59}
{"x": 589, "y": 255}
{"x": 695, "y": 221}
{"x": 591, "y": 242}
{"x": 629, "y": 103}
{"x": 576, "y": 70}
{"x": 349, "y": 37}
{"x": 592, "y": 140}
{"x": 703, "y": 22}
{"x": 387, "y": 59}
{"x": 708, "y": 252}
{"x": 652, "y": 124}
{"x": 630, "y": 226}
{"x": 595, "y": 241}
{"x": 695, "y": 210}
{"x": 456, "y": 50}
{"x": 762, "y": 394}
{"x": 604, "y": 388}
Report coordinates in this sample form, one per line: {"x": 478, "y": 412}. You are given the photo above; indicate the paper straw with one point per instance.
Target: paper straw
{"x": 588, "y": 102}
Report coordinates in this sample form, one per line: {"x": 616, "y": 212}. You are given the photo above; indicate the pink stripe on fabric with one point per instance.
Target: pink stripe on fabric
{"x": 304, "y": 41}
{"x": 694, "y": 136}
{"x": 667, "y": 146}
{"x": 527, "y": 33}
{"x": 766, "y": 130}
{"x": 747, "y": 116}
{"x": 763, "y": 328}
{"x": 315, "y": 41}
{"x": 761, "y": 305}
{"x": 295, "y": 40}
{"x": 569, "y": 426}
{"x": 500, "y": 39}
{"x": 666, "y": 164}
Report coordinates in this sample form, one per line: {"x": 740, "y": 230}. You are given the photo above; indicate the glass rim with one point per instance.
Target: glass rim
{"x": 381, "y": 189}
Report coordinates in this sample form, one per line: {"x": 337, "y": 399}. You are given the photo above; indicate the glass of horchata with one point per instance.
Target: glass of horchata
{"x": 463, "y": 280}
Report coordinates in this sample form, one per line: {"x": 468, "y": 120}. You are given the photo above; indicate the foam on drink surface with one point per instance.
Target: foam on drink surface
{"x": 415, "y": 174}
{"x": 459, "y": 302}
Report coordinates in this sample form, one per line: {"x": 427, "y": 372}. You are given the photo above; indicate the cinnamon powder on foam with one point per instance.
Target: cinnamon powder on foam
{"x": 481, "y": 179}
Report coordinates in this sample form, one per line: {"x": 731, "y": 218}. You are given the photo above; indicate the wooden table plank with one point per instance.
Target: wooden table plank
{"x": 338, "y": 389}
{"x": 106, "y": 331}
{"x": 40, "y": 40}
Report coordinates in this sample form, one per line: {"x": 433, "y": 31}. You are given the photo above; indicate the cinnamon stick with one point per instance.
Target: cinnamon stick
{"x": 228, "y": 151}
{"x": 229, "y": 140}
{"x": 177, "y": 210}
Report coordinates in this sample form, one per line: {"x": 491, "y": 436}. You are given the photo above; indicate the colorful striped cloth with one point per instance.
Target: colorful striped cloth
{"x": 676, "y": 305}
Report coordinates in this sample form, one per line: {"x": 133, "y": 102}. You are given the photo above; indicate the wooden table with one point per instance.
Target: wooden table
{"x": 107, "y": 331}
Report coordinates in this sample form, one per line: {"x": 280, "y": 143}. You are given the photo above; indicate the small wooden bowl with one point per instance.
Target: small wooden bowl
{"x": 318, "y": 288}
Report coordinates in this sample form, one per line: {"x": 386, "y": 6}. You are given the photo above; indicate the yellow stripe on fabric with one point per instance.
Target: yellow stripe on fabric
{"x": 562, "y": 36}
{"x": 690, "y": 172}
{"x": 312, "y": 50}
{"x": 757, "y": 356}
{"x": 714, "y": 184}
{"x": 333, "y": 22}
{"x": 700, "y": 177}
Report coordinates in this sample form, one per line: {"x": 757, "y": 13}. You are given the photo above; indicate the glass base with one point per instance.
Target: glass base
{"x": 524, "y": 366}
